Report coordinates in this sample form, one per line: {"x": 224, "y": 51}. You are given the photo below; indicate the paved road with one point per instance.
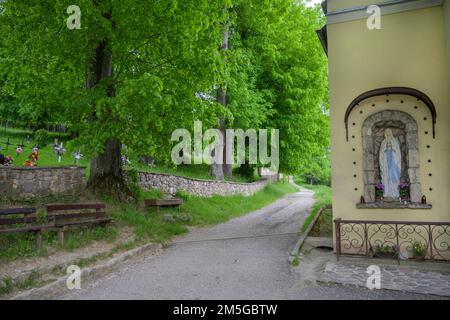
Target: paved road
{"x": 245, "y": 258}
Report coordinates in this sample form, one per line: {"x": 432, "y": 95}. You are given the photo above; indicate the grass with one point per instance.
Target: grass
{"x": 48, "y": 159}
{"x": 196, "y": 211}
{"x": 324, "y": 225}
{"x": 217, "y": 209}
{"x": 13, "y": 246}
{"x": 322, "y": 196}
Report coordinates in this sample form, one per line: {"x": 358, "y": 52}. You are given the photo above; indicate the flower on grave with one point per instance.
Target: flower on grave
{"x": 5, "y": 160}
{"x": 19, "y": 151}
{"x": 8, "y": 160}
{"x": 125, "y": 160}
{"x": 32, "y": 159}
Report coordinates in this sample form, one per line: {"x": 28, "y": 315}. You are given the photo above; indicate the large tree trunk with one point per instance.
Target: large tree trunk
{"x": 106, "y": 175}
{"x": 219, "y": 170}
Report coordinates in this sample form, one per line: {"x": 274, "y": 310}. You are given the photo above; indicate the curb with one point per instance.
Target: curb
{"x": 58, "y": 288}
{"x": 305, "y": 234}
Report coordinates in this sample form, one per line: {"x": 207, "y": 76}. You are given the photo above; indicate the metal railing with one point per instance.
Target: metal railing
{"x": 393, "y": 239}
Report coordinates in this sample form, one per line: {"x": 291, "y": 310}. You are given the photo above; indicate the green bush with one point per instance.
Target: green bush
{"x": 183, "y": 195}
{"x": 41, "y": 137}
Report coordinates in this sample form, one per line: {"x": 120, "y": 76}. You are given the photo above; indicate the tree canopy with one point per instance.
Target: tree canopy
{"x": 134, "y": 70}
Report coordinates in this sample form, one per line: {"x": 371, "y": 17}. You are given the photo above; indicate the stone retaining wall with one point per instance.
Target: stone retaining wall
{"x": 203, "y": 188}
{"x": 39, "y": 182}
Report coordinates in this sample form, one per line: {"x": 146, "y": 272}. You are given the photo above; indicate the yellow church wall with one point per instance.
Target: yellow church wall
{"x": 447, "y": 30}
{"x": 334, "y": 5}
{"x": 410, "y": 51}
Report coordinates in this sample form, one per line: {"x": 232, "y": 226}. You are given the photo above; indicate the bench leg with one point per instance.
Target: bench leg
{"x": 38, "y": 241}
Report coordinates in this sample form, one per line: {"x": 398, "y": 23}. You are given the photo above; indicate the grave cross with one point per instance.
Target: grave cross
{"x": 60, "y": 151}
{"x": 22, "y": 145}
{"x": 77, "y": 156}
{"x": 55, "y": 147}
{"x": 7, "y": 144}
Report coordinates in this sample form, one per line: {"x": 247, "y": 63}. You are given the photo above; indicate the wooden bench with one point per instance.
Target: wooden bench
{"x": 63, "y": 216}
{"x": 163, "y": 203}
{"x": 19, "y": 220}
{"x": 59, "y": 217}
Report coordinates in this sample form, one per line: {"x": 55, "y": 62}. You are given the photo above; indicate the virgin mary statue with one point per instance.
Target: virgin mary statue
{"x": 390, "y": 164}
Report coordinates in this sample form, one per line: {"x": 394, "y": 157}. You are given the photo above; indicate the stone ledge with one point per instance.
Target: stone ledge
{"x": 393, "y": 205}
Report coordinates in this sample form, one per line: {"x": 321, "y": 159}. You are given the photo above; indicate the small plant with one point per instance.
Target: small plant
{"x": 41, "y": 137}
{"x": 404, "y": 190}
{"x": 295, "y": 261}
{"x": 183, "y": 195}
{"x": 6, "y": 285}
{"x": 385, "y": 251}
{"x": 379, "y": 190}
{"x": 419, "y": 249}
{"x": 41, "y": 216}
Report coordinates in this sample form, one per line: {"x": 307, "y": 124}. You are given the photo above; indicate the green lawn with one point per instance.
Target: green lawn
{"x": 47, "y": 158}
{"x": 322, "y": 196}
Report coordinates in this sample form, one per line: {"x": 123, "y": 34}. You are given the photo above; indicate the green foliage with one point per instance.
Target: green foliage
{"x": 295, "y": 261}
{"x": 13, "y": 246}
{"x": 183, "y": 195}
{"x": 324, "y": 225}
{"x": 276, "y": 73}
{"x": 386, "y": 249}
{"x": 133, "y": 183}
{"x": 41, "y": 137}
{"x": 322, "y": 197}
{"x": 6, "y": 286}
{"x": 164, "y": 53}
{"x": 419, "y": 249}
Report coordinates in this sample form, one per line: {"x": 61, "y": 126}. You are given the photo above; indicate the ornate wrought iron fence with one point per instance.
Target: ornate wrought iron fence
{"x": 394, "y": 239}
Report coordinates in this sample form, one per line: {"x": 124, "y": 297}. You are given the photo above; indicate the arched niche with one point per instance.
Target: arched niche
{"x": 419, "y": 95}
{"x": 405, "y": 128}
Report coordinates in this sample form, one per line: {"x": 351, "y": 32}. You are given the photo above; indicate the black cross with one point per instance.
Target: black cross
{"x": 7, "y": 144}
{"x": 22, "y": 145}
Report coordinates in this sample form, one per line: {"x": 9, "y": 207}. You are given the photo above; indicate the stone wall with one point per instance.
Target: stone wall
{"x": 40, "y": 182}
{"x": 203, "y": 188}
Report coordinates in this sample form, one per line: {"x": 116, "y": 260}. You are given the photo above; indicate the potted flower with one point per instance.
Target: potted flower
{"x": 379, "y": 191}
{"x": 419, "y": 250}
{"x": 404, "y": 191}
{"x": 385, "y": 251}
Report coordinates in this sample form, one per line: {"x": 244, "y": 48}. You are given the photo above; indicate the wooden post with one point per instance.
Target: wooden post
{"x": 38, "y": 240}
{"x": 61, "y": 235}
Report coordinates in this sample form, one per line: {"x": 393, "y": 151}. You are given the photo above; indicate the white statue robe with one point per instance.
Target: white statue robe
{"x": 390, "y": 167}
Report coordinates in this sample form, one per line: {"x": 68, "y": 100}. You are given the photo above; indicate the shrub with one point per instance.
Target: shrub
{"x": 419, "y": 249}
{"x": 41, "y": 137}
{"x": 183, "y": 195}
